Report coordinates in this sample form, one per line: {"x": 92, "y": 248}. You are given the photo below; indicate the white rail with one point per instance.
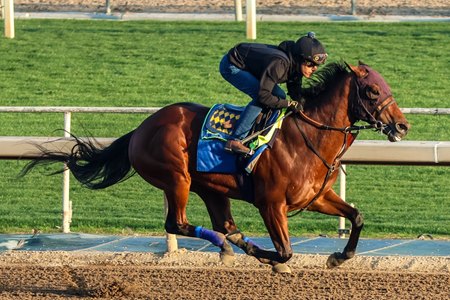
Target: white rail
{"x": 73, "y": 109}
{"x": 375, "y": 152}
{"x": 126, "y": 110}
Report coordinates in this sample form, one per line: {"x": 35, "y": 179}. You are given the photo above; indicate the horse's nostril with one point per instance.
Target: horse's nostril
{"x": 401, "y": 127}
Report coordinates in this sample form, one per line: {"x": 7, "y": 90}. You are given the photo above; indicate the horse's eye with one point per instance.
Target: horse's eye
{"x": 372, "y": 92}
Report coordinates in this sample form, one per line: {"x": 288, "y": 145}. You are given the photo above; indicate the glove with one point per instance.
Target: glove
{"x": 294, "y": 106}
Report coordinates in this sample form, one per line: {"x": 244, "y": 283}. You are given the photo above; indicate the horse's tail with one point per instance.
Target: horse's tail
{"x": 93, "y": 166}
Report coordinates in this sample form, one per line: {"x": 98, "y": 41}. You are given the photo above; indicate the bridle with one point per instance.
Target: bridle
{"x": 370, "y": 117}
{"x": 348, "y": 130}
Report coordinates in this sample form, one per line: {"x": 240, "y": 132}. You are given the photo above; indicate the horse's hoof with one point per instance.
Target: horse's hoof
{"x": 335, "y": 260}
{"x": 227, "y": 259}
{"x": 235, "y": 238}
{"x": 281, "y": 268}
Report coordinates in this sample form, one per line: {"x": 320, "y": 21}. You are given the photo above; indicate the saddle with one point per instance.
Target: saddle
{"x": 217, "y": 129}
{"x": 262, "y": 122}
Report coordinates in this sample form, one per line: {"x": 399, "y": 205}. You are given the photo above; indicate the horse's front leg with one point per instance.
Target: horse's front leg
{"x": 251, "y": 248}
{"x": 219, "y": 210}
{"x": 332, "y": 204}
{"x": 274, "y": 215}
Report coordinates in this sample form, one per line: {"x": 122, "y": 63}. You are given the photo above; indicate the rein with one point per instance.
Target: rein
{"x": 354, "y": 130}
{"x": 376, "y": 125}
{"x": 373, "y": 124}
{"x": 255, "y": 134}
{"x": 336, "y": 162}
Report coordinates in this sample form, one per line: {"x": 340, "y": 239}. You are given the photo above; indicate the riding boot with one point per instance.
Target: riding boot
{"x": 237, "y": 147}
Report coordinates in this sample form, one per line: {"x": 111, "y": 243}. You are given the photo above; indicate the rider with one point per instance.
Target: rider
{"x": 258, "y": 69}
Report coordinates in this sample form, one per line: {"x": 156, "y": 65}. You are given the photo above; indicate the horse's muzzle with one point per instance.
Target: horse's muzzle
{"x": 396, "y": 131}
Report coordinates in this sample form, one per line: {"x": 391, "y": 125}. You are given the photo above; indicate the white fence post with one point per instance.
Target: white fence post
{"x": 251, "y": 20}
{"x": 354, "y": 7}
{"x": 238, "y": 9}
{"x": 66, "y": 203}
{"x": 9, "y": 18}
{"x": 108, "y": 7}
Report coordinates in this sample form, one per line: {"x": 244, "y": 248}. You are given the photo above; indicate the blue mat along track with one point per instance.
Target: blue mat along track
{"x": 152, "y": 244}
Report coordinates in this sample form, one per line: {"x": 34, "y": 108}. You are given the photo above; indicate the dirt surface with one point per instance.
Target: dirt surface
{"x": 289, "y": 7}
{"x": 199, "y": 275}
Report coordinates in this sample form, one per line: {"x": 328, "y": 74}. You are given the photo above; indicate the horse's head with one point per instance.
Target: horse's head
{"x": 375, "y": 104}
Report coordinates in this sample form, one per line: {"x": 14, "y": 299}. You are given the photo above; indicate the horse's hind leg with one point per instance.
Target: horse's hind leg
{"x": 219, "y": 211}
{"x": 332, "y": 204}
{"x": 177, "y": 222}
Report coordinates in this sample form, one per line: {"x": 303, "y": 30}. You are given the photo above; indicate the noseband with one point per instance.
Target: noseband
{"x": 367, "y": 116}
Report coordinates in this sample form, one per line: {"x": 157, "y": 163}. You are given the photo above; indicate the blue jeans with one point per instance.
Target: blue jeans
{"x": 249, "y": 84}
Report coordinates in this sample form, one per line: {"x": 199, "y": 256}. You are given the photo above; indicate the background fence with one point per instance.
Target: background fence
{"x": 362, "y": 152}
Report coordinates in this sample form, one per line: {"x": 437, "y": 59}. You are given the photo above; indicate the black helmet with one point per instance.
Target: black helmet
{"x": 309, "y": 48}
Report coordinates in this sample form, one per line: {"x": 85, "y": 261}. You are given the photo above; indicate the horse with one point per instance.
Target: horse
{"x": 296, "y": 174}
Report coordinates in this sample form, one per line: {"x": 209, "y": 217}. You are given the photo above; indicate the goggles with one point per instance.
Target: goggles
{"x": 317, "y": 59}
{"x": 310, "y": 64}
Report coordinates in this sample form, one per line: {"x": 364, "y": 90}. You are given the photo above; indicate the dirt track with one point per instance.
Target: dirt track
{"x": 195, "y": 275}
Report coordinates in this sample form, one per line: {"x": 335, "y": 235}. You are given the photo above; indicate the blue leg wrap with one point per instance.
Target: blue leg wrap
{"x": 209, "y": 235}
{"x": 249, "y": 241}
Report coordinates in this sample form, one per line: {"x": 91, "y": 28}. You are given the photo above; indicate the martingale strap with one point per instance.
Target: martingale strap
{"x": 349, "y": 137}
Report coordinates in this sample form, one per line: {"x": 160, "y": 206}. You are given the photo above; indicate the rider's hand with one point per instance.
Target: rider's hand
{"x": 294, "y": 106}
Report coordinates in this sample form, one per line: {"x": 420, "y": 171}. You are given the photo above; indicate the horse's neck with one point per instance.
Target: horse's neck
{"x": 331, "y": 106}
{"x": 331, "y": 109}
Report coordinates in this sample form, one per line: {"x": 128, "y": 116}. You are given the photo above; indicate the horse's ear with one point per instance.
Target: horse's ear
{"x": 358, "y": 71}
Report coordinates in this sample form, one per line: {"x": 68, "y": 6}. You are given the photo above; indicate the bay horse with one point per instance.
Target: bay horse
{"x": 296, "y": 174}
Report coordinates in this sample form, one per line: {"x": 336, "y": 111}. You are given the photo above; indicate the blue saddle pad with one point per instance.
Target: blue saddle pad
{"x": 216, "y": 130}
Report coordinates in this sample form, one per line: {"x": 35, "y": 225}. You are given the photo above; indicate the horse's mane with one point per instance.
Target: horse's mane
{"x": 322, "y": 79}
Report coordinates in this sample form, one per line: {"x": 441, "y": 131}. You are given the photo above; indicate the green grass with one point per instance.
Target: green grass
{"x": 152, "y": 63}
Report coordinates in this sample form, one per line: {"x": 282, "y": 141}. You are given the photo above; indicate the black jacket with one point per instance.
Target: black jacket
{"x": 271, "y": 65}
